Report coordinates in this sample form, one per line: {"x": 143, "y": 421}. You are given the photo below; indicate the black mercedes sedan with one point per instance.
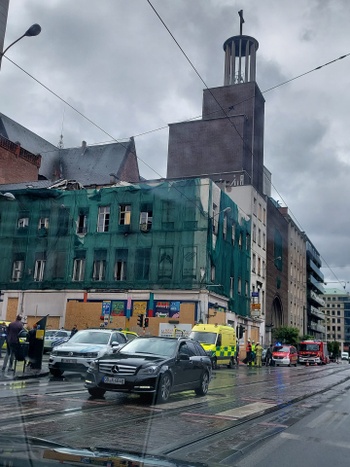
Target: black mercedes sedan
{"x": 153, "y": 367}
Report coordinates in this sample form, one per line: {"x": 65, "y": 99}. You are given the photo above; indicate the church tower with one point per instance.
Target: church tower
{"x": 227, "y": 143}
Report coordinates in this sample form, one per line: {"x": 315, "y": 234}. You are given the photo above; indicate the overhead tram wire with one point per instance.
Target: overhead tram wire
{"x": 193, "y": 118}
{"x": 218, "y": 103}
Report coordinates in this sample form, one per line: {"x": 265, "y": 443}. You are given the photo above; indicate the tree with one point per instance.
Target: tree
{"x": 286, "y": 335}
{"x": 334, "y": 349}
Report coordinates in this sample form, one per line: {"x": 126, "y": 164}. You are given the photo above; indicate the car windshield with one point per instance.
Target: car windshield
{"x": 162, "y": 347}
{"x": 281, "y": 348}
{"x": 50, "y": 333}
{"x": 90, "y": 337}
{"x": 310, "y": 347}
{"x": 204, "y": 337}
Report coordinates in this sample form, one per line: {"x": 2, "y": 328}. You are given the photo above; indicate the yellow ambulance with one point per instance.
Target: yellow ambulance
{"x": 218, "y": 341}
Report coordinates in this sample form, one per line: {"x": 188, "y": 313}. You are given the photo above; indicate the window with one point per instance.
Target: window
{"x": 63, "y": 221}
{"x": 259, "y": 237}
{"x": 59, "y": 264}
{"x": 99, "y": 271}
{"x": 120, "y": 264}
{"x": 253, "y": 262}
{"x": 43, "y": 223}
{"x": 23, "y": 222}
{"x": 254, "y": 232}
{"x": 231, "y": 286}
{"x": 224, "y": 226}
{"x": 82, "y": 221}
{"x": 78, "y": 269}
{"x": 239, "y": 286}
{"x": 190, "y": 256}
{"x": 39, "y": 270}
{"x": 233, "y": 233}
{"x": 103, "y": 218}
{"x": 124, "y": 214}
{"x": 168, "y": 215}
{"x": 165, "y": 262}
{"x": 212, "y": 272}
{"x": 99, "y": 266}
{"x": 146, "y": 218}
{"x": 17, "y": 270}
{"x": 142, "y": 263}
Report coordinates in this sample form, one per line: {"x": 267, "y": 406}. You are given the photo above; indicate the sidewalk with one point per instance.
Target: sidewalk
{"x": 22, "y": 371}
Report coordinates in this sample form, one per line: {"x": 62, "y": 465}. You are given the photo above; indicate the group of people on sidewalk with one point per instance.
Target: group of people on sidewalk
{"x": 254, "y": 353}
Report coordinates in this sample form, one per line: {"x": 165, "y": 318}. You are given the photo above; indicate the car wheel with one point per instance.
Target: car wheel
{"x": 164, "y": 388}
{"x": 203, "y": 388}
{"x": 96, "y": 392}
{"x": 232, "y": 363}
{"x": 295, "y": 364}
{"x": 56, "y": 372}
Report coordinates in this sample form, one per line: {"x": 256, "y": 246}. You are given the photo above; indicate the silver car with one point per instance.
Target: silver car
{"x": 83, "y": 348}
{"x": 54, "y": 335}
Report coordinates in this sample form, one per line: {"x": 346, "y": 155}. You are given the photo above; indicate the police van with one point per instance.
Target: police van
{"x": 218, "y": 341}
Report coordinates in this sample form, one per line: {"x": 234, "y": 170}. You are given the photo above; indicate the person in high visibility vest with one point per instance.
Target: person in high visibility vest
{"x": 253, "y": 353}
{"x": 258, "y": 353}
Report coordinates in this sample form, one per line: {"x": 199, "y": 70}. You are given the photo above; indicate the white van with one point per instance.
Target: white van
{"x": 345, "y": 355}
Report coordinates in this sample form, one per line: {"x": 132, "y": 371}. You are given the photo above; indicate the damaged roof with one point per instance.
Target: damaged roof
{"x": 88, "y": 165}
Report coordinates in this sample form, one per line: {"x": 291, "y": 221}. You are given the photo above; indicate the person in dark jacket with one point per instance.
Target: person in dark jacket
{"x": 12, "y": 340}
{"x": 74, "y": 330}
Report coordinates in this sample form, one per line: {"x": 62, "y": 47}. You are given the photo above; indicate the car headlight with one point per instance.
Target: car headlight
{"x": 54, "y": 353}
{"x": 90, "y": 355}
{"x": 149, "y": 370}
{"x": 94, "y": 365}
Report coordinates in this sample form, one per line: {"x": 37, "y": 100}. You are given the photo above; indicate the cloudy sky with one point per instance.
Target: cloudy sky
{"x": 114, "y": 61}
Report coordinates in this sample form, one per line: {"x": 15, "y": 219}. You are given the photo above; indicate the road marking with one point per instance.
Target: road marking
{"x": 186, "y": 403}
{"x": 247, "y": 410}
{"x": 195, "y": 416}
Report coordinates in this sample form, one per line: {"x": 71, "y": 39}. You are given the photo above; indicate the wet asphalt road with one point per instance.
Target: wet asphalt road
{"x": 243, "y": 407}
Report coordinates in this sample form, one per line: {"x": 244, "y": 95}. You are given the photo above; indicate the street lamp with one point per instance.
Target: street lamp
{"x": 34, "y": 30}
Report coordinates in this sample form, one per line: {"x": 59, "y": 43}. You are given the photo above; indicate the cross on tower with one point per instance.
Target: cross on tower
{"x": 241, "y": 21}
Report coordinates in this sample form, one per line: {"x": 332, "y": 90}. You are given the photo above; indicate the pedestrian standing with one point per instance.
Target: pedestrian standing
{"x": 32, "y": 347}
{"x": 249, "y": 352}
{"x": 253, "y": 353}
{"x": 13, "y": 330}
{"x": 74, "y": 330}
{"x": 268, "y": 356}
{"x": 3, "y": 332}
{"x": 258, "y": 353}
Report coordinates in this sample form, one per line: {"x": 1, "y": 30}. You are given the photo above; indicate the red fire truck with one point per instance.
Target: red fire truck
{"x": 313, "y": 352}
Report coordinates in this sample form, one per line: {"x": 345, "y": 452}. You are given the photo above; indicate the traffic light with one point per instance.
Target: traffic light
{"x": 140, "y": 320}
{"x": 146, "y": 322}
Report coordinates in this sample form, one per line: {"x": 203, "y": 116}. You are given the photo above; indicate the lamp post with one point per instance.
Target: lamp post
{"x": 34, "y": 30}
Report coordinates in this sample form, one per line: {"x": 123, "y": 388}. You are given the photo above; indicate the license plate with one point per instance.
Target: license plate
{"x": 67, "y": 360}
{"x": 113, "y": 380}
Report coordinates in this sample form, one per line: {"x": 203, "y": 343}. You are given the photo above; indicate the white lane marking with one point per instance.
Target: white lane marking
{"x": 246, "y": 410}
